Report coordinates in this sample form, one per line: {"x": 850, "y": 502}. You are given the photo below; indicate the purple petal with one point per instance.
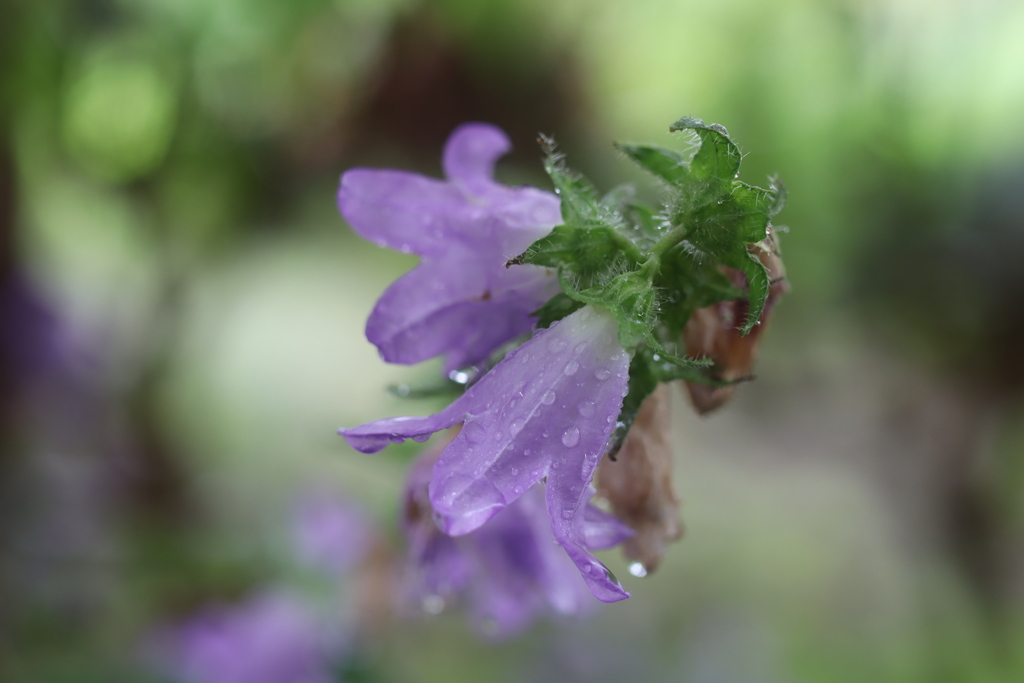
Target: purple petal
{"x": 467, "y": 310}
{"x": 402, "y": 211}
{"x": 461, "y": 300}
{"x": 602, "y": 530}
{"x": 544, "y": 407}
{"x": 470, "y": 154}
{"x": 331, "y": 534}
{"x": 271, "y": 638}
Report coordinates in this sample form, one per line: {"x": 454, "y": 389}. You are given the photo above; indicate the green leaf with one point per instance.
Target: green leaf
{"x": 631, "y": 298}
{"x": 758, "y": 282}
{"x": 556, "y": 308}
{"x": 664, "y": 163}
{"x": 717, "y": 156}
{"x": 582, "y": 254}
{"x": 581, "y": 203}
{"x": 642, "y": 382}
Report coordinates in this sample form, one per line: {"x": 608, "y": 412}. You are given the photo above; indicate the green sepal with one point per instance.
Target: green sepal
{"x": 631, "y": 298}
{"x": 581, "y": 204}
{"x": 581, "y": 253}
{"x": 717, "y": 156}
{"x": 556, "y": 308}
{"x": 758, "y": 283}
{"x": 648, "y": 368}
{"x": 664, "y": 163}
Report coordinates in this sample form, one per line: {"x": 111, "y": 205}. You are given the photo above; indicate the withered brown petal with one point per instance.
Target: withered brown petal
{"x": 638, "y": 483}
{"x": 714, "y": 332}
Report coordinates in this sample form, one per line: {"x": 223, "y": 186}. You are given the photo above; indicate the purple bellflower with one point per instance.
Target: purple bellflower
{"x": 460, "y": 300}
{"x": 545, "y": 411}
{"x": 509, "y": 570}
{"x": 331, "y": 534}
{"x": 271, "y": 638}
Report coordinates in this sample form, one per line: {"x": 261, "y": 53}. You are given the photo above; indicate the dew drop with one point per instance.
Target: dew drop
{"x": 548, "y": 398}
{"x": 638, "y": 570}
{"x": 475, "y": 433}
{"x": 396, "y": 439}
{"x": 433, "y": 604}
{"x": 572, "y": 367}
{"x": 421, "y": 437}
{"x": 602, "y": 374}
{"x": 458, "y": 376}
{"x": 579, "y": 347}
{"x": 516, "y": 426}
{"x": 557, "y": 345}
{"x": 524, "y": 357}
{"x": 527, "y": 451}
{"x": 514, "y": 471}
{"x": 567, "y": 514}
{"x": 587, "y": 409}
{"x": 571, "y": 437}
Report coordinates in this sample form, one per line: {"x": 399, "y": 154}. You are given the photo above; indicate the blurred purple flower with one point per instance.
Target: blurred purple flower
{"x": 461, "y": 300}
{"x": 330, "y": 534}
{"x": 546, "y": 410}
{"x": 33, "y": 340}
{"x": 270, "y": 638}
{"x": 509, "y": 570}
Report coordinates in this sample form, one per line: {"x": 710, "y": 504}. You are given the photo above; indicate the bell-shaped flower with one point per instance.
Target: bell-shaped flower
{"x": 460, "y": 300}
{"x": 509, "y": 571}
{"x": 545, "y": 411}
{"x": 331, "y": 534}
{"x": 270, "y": 638}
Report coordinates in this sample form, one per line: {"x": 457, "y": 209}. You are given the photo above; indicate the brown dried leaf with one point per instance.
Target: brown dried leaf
{"x": 714, "y": 332}
{"x": 638, "y": 483}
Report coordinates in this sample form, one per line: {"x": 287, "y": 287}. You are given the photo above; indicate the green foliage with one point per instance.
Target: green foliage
{"x": 653, "y": 268}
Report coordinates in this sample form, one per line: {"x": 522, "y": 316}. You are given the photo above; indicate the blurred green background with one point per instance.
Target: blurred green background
{"x": 194, "y": 338}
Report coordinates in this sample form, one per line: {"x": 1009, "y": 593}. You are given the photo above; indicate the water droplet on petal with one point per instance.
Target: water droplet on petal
{"x": 570, "y": 438}
{"x": 567, "y": 514}
{"x": 433, "y": 604}
{"x": 638, "y": 570}
{"x": 602, "y": 374}
{"x": 421, "y": 437}
{"x": 475, "y": 433}
{"x": 516, "y": 426}
{"x": 396, "y": 439}
{"x": 524, "y": 357}
{"x": 548, "y": 398}
{"x": 587, "y": 409}
{"x": 579, "y": 347}
{"x": 557, "y": 345}
{"x": 458, "y": 376}
{"x": 572, "y": 367}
